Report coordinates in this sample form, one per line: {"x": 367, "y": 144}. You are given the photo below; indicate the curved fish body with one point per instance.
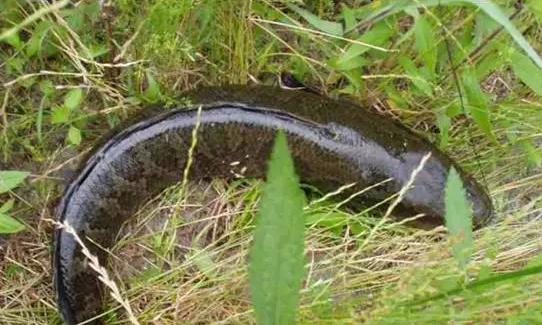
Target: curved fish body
{"x": 333, "y": 143}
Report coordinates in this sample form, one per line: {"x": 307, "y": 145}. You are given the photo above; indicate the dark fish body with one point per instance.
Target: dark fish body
{"x": 333, "y": 144}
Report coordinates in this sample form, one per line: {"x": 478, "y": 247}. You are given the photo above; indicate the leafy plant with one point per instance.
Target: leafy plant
{"x": 276, "y": 257}
{"x": 10, "y": 179}
{"x": 63, "y": 114}
{"x": 458, "y": 217}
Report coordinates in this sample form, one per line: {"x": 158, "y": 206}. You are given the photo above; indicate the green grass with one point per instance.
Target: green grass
{"x": 70, "y": 74}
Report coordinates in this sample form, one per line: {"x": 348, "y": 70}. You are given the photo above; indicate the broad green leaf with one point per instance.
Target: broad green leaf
{"x": 458, "y": 216}
{"x": 488, "y": 6}
{"x": 276, "y": 259}
{"x": 60, "y": 114}
{"x": 74, "y": 135}
{"x": 325, "y": 26}
{"x": 10, "y": 179}
{"x": 73, "y": 99}
{"x": 9, "y": 225}
{"x": 476, "y": 102}
{"x": 426, "y": 43}
{"x": 527, "y": 71}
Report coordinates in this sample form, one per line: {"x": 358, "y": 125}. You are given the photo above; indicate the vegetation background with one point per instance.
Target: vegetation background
{"x": 70, "y": 71}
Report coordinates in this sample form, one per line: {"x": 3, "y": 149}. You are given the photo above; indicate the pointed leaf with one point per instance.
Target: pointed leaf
{"x": 458, "y": 215}
{"x": 276, "y": 258}
{"x": 426, "y": 43}
{"x": 325, "y": 26}
{"x": 527, "y": 71}
{"x": 8, "y": 225}
{"x": 476, "y": 102}
{"x": 10, "y": 179}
